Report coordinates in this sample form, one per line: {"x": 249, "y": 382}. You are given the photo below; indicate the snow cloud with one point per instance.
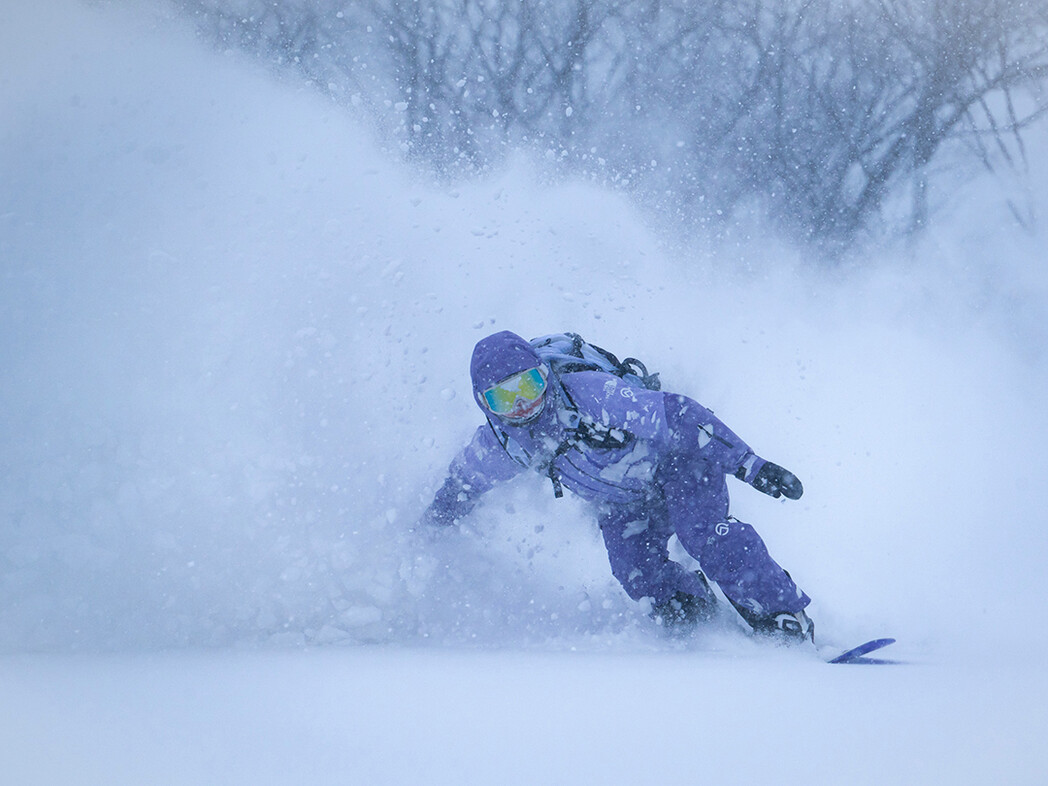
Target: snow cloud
{"x": 235, "y": 343}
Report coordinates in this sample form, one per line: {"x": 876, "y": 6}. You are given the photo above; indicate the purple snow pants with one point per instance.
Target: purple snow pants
{"x": 691, "y": 500}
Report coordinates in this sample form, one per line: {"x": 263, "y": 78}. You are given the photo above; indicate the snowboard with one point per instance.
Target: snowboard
{"x": 858, "y": 654}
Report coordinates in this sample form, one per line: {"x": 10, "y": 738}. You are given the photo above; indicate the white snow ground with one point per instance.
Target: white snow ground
{"x": 235, "y": 343}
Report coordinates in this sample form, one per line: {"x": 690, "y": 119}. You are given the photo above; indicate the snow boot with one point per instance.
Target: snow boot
{"x": 784, "y": 627}
{"x": 682, "y": 611}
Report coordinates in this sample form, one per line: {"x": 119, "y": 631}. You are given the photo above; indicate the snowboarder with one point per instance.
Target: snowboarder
{"x": 653, "y": 464}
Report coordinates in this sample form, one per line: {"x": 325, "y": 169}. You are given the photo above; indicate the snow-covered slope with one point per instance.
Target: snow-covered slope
{"x": 396, "y": 715}
{"x": 235, "y": 348}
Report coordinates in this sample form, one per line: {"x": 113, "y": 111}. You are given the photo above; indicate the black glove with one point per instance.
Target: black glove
{"x": 776, "y": 482}
{"x": 451, "y": 503}
{"x": 436, "y": 516}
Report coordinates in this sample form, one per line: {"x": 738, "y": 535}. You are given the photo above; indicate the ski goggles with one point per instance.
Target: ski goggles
{"x": 527, "y": 385}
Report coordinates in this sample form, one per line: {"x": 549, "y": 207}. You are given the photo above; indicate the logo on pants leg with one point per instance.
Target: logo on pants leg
{"x": 722, "y": 528}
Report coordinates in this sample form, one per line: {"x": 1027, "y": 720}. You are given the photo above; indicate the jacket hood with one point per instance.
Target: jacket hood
{"x": 496, "y": 357}
{"x": 504, "y": 354}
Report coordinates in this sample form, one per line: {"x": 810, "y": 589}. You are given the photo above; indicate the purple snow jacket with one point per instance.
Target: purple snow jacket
{"x": 655, "y": 464}
{"x": 596, "y": 435}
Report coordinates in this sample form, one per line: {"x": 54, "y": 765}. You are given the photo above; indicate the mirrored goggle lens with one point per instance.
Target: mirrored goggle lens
{"x": 528, "y": 385}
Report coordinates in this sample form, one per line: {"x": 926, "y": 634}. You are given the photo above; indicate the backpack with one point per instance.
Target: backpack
{"x": 568, "y": 352}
